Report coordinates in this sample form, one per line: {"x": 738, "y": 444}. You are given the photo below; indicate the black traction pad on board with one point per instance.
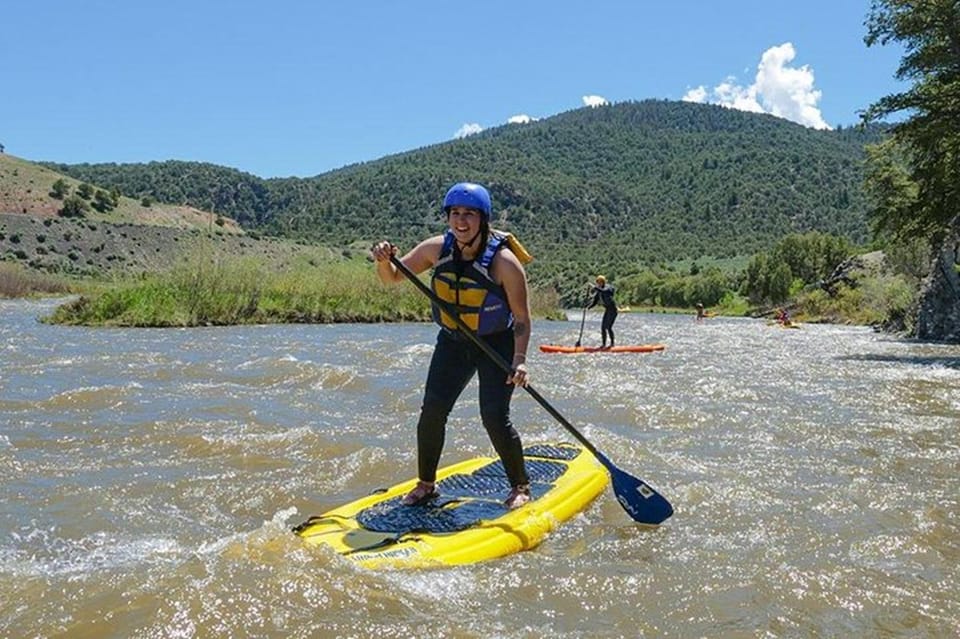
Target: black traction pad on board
{"x": 466, "y": 499}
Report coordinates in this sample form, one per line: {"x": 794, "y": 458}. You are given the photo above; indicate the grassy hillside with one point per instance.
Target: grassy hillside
{"x": 86, "y": 248}
{"x": 26, "y": 188}
{"x": 129, "y": 239}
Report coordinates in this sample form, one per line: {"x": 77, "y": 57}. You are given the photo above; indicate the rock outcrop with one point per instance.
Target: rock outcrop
{"x": 938, "y": 316}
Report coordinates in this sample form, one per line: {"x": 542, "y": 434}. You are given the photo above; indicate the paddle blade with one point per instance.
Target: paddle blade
{"x": 642, "y": 503}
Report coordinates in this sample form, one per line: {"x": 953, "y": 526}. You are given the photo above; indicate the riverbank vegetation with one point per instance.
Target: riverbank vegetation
{"x": 210, "y": 288}
{"x": 227, "y": 291}
{"x": 820, "y": 277}
{"x": 202, "y": 292}
{"x": 18, "y": 281}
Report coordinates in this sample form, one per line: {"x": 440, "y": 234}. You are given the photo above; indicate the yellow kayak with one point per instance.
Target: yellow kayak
{"x": 468, "y": 522}
{"x": 783, "y": 324}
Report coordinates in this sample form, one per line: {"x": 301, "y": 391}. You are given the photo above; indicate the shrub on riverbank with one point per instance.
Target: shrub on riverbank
{"x": 878, "y": 300}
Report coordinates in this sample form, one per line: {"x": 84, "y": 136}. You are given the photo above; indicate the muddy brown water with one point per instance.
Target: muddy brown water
{"x": 149, "y": 479}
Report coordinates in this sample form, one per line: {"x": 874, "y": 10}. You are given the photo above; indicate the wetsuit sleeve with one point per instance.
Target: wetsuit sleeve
{"x": 596, "y": 298}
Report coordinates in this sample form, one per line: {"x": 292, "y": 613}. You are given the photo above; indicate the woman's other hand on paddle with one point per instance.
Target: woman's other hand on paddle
{"x": 519, "y": 375}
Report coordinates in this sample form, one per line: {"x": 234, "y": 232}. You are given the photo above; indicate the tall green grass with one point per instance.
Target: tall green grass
{"x": 18, "y": 281}
{"x": 227, "y": 291}
{"x": 205, "y": 292}
{"x": 545, "y": 304}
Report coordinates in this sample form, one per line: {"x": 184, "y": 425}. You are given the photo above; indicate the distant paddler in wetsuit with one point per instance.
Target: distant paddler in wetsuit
{"x": 603, "y": 294}
{"x": 479, "y": 271}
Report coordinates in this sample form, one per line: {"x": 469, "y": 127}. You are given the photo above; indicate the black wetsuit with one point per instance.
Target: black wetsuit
{"x": 604, "y": 295}
{"x": 455, "y": 360}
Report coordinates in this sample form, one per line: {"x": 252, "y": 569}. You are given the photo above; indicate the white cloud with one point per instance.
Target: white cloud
{"x": 787, "y": 92}
{"x": 468, "y": 129}
{"x": 778, "y": 89}
{"x": 522, "y": 118}
{"x": 698, "y": 94}
{"x": 594, "y": 100}
{"x": 736, "y": 97}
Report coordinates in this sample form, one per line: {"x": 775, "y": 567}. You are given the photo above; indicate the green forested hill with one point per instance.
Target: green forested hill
{"x": 609, "y": 189}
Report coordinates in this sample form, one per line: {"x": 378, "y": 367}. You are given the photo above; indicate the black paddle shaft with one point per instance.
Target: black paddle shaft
{"x": 641, "y": 502}
{"x": 582, "y": 322}
{"x": 490, "y": 352}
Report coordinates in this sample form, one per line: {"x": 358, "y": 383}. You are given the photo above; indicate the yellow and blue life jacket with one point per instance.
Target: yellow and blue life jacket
{"x": 468, "y": 286}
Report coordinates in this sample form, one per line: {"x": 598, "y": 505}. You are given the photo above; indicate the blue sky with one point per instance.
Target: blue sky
{"x": 300, "y": 88}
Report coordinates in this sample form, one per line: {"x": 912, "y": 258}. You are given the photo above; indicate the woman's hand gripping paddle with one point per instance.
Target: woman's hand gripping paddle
{"x": 642, "y": 503}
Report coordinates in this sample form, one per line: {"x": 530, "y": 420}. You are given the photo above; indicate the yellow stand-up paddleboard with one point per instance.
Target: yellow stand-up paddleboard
{"x": 468, "y": 522}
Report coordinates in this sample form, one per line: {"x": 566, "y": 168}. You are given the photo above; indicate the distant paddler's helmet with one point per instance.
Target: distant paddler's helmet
{"x": 601, "y": 280}
{"x": 470, "y": 195}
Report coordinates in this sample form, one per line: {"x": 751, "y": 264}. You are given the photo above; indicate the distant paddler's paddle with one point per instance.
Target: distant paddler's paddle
{"x": 642, "y": 503}
{"x": 582, "y": 320}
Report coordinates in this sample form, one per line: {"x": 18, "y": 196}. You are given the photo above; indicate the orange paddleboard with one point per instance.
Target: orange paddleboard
{"x": 635, "y": 348}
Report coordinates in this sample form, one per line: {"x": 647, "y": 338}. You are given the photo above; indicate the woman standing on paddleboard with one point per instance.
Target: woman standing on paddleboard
{"x": 603, "y": 293}
{"x": 479, "y": 272}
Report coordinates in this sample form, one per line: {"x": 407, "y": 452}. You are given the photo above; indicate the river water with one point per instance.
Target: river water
{"x": 149, "y": 479}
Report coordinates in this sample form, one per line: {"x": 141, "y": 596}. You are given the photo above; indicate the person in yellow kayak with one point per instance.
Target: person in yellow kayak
{"x": 603, "y": 294}
{"x": 783, "y": 318}
{"x": 480, "y": 272}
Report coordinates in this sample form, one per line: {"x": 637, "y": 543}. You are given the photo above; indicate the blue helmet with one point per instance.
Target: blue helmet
{"x": 470, "y": 195}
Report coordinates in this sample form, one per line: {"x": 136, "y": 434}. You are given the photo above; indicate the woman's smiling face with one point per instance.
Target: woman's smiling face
{"x": 464, "y": 222}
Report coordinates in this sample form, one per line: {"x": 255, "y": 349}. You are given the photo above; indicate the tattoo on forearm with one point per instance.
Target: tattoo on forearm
{"x": 521, "y": 328}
